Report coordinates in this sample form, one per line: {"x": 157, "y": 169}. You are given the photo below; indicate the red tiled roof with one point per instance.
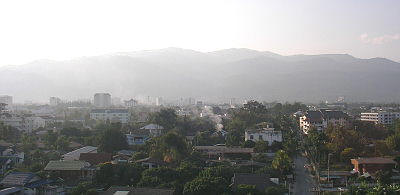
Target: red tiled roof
{"x": 375, "y": 160}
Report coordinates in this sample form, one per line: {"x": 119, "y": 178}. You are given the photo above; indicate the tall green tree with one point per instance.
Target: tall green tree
{"x": 50, "y": 139}
{"x": 62, "y": 143}
{"x": 206, "y": 185}
{"x": 393, "y": 142}
{"x": 166, "y": 117}
{"x": 282, "y": 163}
{"x": 8, "y": 133}
{"x": 315, "y": 144}
{"x": 112, "y": 139}
{"x": 119, "y": 174}
{"x": 171, "y": 148}
{"x": 159, "y": 177}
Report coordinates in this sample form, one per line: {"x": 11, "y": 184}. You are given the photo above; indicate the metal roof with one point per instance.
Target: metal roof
{"x": 109, "y": 111}
{"x": 66, "y": 165}
{"x": 152, "y": 126}
{"x": 17, "y": 179}
{"x": 77, "y": 152}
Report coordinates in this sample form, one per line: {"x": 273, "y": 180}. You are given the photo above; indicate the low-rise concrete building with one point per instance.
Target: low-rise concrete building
{"x": 385, "y": 118}
{"x": 263, "y": 134}
{"x": 372, "y": 165}
{"x": 33, "y": 123}
{"x": 113, "y": 115}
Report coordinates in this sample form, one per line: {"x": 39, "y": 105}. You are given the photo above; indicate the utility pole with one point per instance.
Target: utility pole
{"x": 329, "y": 155}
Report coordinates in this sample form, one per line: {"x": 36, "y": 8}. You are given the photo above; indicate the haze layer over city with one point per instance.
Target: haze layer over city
{"x": 266, "y": 50}
{"x": 190, "y": 97}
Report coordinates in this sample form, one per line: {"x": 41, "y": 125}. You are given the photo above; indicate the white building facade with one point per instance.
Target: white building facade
{"x": 385, "y": 118}
{"x": 113, "y": 115}
{"x": 54, "y": 101}
{"x": 320, "y": 119}
{"x": 33, "y": 123}
{"x": 6, "y": 99}
{"x": 22, "y": 123}
{"x": 264, "y": 134}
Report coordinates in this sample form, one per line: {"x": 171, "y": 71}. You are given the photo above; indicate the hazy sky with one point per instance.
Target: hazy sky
{"x": 52, "y": 29}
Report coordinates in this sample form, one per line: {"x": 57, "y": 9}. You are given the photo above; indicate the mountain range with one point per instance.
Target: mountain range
{"x": 229, "y": 73}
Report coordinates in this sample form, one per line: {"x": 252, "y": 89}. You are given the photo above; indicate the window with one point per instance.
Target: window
{"x": 251, "y": 137}
{"x": 260, "y": 137}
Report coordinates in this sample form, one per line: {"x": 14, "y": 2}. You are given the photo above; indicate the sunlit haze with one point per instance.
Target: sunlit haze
{"x": 48, "y": 29}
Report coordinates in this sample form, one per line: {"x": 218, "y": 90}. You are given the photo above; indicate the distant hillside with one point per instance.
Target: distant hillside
{"x": 175, "y": 72}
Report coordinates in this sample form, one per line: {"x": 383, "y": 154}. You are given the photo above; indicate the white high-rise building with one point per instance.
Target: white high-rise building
{"x": 6, "y": 99}
{"x": 54, "y": 101}
{"x": 102, "y": 100}
{"x": 159, "y": 101}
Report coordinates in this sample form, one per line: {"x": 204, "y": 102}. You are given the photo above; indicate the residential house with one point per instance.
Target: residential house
{"x": 221, "y": 152}
{"x": 151, "y": 162}
{"x": 338, "y": 178}
{"x": 372, "y": 165}
{"x": 71, "y": 170}
{"x": 154, "y": 129}
{"x": 126, "y": 152}
{"x": 122, "y": 156}
{"x": 137, "y": 137}
{"x": 264, "y": 134}
{"x": 74, "y": 155}
{"x": 74, "y": 145}
{"x": 9, "y": 158}
{"x": 24, "y": 183}
{"x": 260, "y": 181}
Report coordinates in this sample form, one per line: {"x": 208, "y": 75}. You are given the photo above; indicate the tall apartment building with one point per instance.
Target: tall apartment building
{"x": 319, "y": 119}
{"x": 54, "y": 101}
{"x": 6, "y": 99}
{"x": 385, "y": 118}
{"x": 102, "y": 100}
{"x": 159, "y": 101}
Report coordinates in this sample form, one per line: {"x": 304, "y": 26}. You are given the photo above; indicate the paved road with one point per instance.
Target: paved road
{"x": 304, "y": 181}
